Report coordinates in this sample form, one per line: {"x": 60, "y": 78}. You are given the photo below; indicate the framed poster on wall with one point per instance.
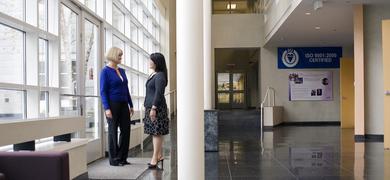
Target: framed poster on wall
{"x": 310, "y": 86}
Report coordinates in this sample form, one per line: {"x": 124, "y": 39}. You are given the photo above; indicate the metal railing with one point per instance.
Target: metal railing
{"x": 172, "y": 92}
{"x": 271, "y": 102}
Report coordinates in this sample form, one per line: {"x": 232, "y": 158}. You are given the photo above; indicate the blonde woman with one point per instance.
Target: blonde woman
{"x": 118, "y": 107}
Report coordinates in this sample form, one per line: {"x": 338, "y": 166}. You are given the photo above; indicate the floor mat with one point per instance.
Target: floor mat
{"x": 102, "y": 170}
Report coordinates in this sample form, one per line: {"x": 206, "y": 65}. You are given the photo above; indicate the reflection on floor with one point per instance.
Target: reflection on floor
{"x": 291, "y": 152}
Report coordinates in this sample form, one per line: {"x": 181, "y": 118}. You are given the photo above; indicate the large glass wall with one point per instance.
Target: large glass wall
{"x": 136, "y": 30}
{"x": 51, "y": 55}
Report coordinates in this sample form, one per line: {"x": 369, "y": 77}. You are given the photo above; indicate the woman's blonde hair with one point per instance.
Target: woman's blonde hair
{"x": 113, "y": 53}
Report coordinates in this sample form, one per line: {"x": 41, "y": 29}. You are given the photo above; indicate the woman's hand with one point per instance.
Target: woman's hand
{"x": 131, "y": 110}
{"x": 152, "y": 114}
{"x": 108, "y": 113}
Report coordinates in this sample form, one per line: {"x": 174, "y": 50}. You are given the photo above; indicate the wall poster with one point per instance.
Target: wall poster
{"x": 311, "y": 85}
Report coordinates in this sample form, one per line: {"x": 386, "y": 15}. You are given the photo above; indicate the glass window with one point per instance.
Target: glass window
{"x": 44, "y": 104}
{"x": 128, "y": 4}
{"x": 223, "y": 82}
{"x": 134, "y": 32}
{"x": 158, "y": 16}
{"x": 154, "y": 9}
{"x": 134, "y": 58}
{"x": 142, "y": 82}
{"x": 238, "y": 81}
{"x": 91, "y": 55}
{"x": 154, "y": 29}
{"x": 14, "y": 8}
{"x": 136, "y": 104}
{"x": 158, "y": 34}
{"x": 134, "y": 7}
{"x": 141, "y": 63}
{"x": 43, "y": 62}
{"x": 42, "y": 14}
{"x": 118, "y": 19}
{"x": 146, "y": 43}
{"x": 146, "y": 65}
{"x": 70, "y": 106}
{"x": 134, "y": 84}
{"x": 92, "y": 117}
{"x": 238, "y": 98}
{"x": 141, "y": 102}
{"x": 223, "y": 98}
{"x": 145, "y": 19}
{"x": 237, "y": 7}
{"x": 118, "y": 43}
{"x": 155, "y": 48}
{"x": 68, "y": 59}
{"x": 11, "y": 104}
{"x": 11, "y": 55}
{"x": 91, "y": 4}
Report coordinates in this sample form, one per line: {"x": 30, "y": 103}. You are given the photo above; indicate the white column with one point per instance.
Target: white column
{"x": 207, "y": 53}
{"x": 190, "y": 122}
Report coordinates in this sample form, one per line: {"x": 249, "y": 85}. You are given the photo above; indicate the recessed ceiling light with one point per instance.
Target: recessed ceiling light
{"x": 307, "y": 13}
{"x": 317, "y": 27}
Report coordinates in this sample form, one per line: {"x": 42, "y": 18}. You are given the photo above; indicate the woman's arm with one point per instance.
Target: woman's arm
{"x": 104, "y": 88}
{"x": 160, "y": 83}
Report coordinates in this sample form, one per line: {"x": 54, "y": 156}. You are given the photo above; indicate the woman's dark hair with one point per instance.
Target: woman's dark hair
{"x": 159, "y": 60}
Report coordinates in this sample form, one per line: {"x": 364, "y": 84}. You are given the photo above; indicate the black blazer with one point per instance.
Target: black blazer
{"x": 155, "y": 89}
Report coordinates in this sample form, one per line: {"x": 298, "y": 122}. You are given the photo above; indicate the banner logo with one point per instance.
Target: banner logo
{"x": 290, "y": 58}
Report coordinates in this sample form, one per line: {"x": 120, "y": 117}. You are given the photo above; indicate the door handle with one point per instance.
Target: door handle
{"x": 387, "y": 93}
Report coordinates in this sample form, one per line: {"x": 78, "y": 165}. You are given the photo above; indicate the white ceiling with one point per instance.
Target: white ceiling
{"x": 335, "y": 20}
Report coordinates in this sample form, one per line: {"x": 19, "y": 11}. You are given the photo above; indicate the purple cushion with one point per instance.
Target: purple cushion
{"x": 35, "y": 165}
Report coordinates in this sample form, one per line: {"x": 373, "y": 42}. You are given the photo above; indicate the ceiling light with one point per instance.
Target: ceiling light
{"x": 231, "y": 6}
{"x": 307, "y": 13}
{"x": 317, "y": 27}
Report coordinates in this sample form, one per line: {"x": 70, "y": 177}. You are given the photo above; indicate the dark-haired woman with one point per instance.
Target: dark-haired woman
{"x": 156, "y": 122}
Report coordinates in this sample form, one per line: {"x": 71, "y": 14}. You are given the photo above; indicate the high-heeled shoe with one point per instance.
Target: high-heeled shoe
{"x": 161, "y": 159}
{"x": 155, "y": 166}
{"x": 152, "y": 166}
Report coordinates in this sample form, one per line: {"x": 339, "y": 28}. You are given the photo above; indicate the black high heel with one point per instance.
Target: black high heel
{"x": 155, "y": 166}
{"x": 152, "y": 166}
{"x": 162, "y": 163}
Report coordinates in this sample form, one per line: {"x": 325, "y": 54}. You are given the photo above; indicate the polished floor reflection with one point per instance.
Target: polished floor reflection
{"x": 288, "y": 152}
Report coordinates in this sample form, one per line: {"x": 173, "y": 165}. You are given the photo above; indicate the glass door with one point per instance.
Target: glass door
{"x": 238, "y": 90}
{"x": 91, "y": 102}
{"x": 230, "y": 90}
{"x": 80, "y": 63}
{"x": 223, "y": 90}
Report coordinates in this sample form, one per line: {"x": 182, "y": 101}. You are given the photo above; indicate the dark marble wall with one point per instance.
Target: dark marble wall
{"x": 211, "y": 130}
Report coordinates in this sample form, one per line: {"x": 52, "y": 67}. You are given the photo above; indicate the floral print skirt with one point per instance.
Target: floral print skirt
{"x": 158, "y": 127}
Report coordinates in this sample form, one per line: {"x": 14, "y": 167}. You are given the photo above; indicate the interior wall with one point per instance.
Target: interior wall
{"x": 373, "y": 16}
{"x": 297, "y": 111}
{"x": 235, "y": 31}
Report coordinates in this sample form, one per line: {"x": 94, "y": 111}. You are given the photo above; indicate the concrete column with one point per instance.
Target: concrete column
{"x": 207, "y": 53}
{"x": 190, "y": 109}
{"x": 359, "y": 70}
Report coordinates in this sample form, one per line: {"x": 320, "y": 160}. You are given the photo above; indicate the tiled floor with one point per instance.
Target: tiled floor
{"x": 290, "y": 152}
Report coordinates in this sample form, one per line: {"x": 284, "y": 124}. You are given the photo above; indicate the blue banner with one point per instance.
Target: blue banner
{"x": 309, "y": 57}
